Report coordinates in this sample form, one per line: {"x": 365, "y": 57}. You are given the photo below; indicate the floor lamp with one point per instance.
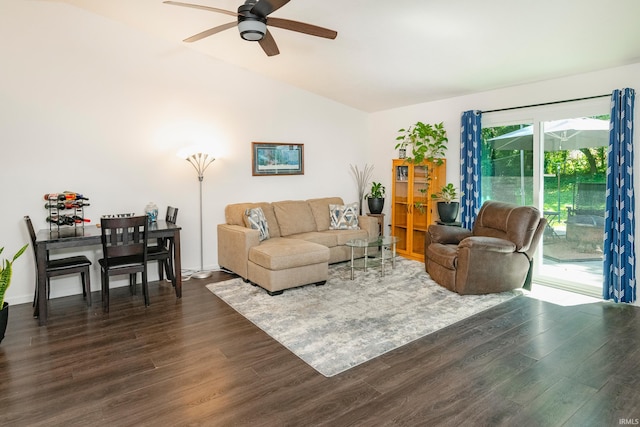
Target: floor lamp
{"x": 200, "y": 162}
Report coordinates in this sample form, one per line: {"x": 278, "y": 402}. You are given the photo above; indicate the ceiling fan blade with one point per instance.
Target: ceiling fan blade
{"x": 265, "y": 7}
{"x": 301, "y": 27}
{"x": 210, "y": 32}
{"x": 268, "y": 44}
{"x": 197, "y": 6}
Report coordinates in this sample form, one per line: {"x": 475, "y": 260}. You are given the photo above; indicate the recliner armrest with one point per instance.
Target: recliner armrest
{"x": 488, "y": 244}
{"x": 447, "y": 234}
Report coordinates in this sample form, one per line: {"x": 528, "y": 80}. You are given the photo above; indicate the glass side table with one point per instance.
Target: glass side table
{"x": 382, "y": 243}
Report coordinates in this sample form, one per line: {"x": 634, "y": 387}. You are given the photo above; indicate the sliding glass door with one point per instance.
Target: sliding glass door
{"x": 555, "y": 160}
{"x": 575, "y": 166}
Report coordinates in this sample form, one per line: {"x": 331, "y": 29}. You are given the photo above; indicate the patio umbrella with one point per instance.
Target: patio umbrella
{"x": 566, "y": 134}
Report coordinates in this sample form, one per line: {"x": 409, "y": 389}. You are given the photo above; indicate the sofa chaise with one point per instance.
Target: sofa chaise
{"x": 292, "y": 242}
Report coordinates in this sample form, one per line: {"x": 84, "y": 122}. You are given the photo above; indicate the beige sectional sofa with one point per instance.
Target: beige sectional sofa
{"x": 300, "y": 245}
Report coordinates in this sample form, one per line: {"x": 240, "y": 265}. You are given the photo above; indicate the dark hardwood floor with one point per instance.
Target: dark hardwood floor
{"x": 196, "y": 361}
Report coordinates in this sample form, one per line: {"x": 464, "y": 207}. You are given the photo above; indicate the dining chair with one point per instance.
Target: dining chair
{"x": 124, "y": 250}
{"x": 163, "y": 251}
{"x": 61, "y": 267}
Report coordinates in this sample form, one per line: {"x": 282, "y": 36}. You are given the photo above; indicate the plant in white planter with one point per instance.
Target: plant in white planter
{"x": 375, "y": 198}
{"x": 5, "y": 280}
{"x": 447, "y": 207}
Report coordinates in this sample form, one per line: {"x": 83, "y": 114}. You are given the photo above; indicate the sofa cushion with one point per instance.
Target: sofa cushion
{"x": 234, "y": 214}
{"x": 281, "y": 254}
{"x": 344, "y": 217}
{"x": 320, "y": 211}
{"x": 294, "y": 216}
{"x": 254, "y": 218}
{"x": 325, "y": 238}
{"x": 343, "y": 236}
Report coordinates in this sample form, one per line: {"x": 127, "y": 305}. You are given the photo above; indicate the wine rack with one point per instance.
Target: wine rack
{"x": 65, "y": 210}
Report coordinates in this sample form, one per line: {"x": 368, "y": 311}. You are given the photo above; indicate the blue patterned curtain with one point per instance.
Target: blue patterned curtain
{"x": 619, "y": 248}
{"x": 470, "y": 176}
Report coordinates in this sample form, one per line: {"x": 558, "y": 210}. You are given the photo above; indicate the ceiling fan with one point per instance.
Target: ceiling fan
{"x": 252, "y": 23}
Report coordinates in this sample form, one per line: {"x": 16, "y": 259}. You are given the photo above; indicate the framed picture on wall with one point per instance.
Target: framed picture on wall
{"x": 270, "y": 158}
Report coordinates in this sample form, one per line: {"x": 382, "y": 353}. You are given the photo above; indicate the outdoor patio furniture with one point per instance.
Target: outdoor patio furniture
{"x": 585, "y": 219}
{"x": 552, "y": 218}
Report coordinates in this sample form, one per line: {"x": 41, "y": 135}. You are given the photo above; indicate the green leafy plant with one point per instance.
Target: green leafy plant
{"x": 447, "y": 193}
{"x": 425, "y": 141}
{"x": 377, "y": 191}
{"x": 6, "y": 271}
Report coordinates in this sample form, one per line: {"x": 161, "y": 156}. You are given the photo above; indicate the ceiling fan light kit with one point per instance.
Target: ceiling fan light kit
{"x": 252, "y": 27}
{"x": 252, "y": 23}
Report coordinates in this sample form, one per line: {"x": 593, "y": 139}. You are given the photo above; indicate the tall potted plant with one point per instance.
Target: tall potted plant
{"x": 361, "y": 176}
{"x": 447, "y": 207}
{"x": 375, "y": 198}
{"x": 5, "y": 281}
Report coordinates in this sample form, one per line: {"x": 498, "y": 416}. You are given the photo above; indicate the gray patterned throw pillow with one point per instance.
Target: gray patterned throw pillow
{"x": 344, "y": 217}
{"x": 257, "y": 221}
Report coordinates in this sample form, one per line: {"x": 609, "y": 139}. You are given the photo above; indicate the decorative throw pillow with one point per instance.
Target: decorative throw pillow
{"x": 344, "y": 217}
{"x": 257, "y": 221}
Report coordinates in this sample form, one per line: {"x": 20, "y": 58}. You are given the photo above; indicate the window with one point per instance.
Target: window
{"x": 554, "y": 158}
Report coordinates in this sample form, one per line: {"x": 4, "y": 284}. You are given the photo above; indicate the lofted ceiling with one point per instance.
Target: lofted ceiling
{"x": 394, "y": 54}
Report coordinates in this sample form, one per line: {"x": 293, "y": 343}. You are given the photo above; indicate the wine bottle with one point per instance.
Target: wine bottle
{"x": 54, "y": 205}
{"x": 78, "y": 219}
{"x": 60, "y": 220}
{"x": 66, "y": 205}
{"x": 70, "y": 195}
{"x": 54, "y": 196}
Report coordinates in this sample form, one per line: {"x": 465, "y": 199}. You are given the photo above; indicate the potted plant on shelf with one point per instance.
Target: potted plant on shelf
{"x": 423, "y": 141}
{"x": 447, "y": 207}
{"x": 375, "y": 198}
{"x": 5, "y": 281}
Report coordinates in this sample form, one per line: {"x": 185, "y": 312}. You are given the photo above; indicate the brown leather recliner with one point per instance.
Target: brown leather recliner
{"x": 496, "y": 256}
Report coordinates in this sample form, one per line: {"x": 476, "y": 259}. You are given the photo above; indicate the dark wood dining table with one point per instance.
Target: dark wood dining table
{"x": 91, "y": 235}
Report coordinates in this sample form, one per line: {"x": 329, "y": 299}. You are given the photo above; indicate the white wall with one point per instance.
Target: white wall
{"x": 89, "y": 105}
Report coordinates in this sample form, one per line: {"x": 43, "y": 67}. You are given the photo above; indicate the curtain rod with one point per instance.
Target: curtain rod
{"x": 546, "y": 103}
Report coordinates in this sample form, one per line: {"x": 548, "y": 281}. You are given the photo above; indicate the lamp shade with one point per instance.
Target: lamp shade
{"x": 252, "y": 30}
{"x": 200, "y": 160}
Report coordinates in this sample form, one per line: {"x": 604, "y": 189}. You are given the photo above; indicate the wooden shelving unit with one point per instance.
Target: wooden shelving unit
{"x": 412, "y": 208}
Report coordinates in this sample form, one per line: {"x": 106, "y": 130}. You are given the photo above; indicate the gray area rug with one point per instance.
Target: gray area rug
{"x": 345, "y": 323}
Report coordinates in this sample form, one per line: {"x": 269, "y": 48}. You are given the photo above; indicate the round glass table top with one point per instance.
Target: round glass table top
{"x": 374, "y": 242}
